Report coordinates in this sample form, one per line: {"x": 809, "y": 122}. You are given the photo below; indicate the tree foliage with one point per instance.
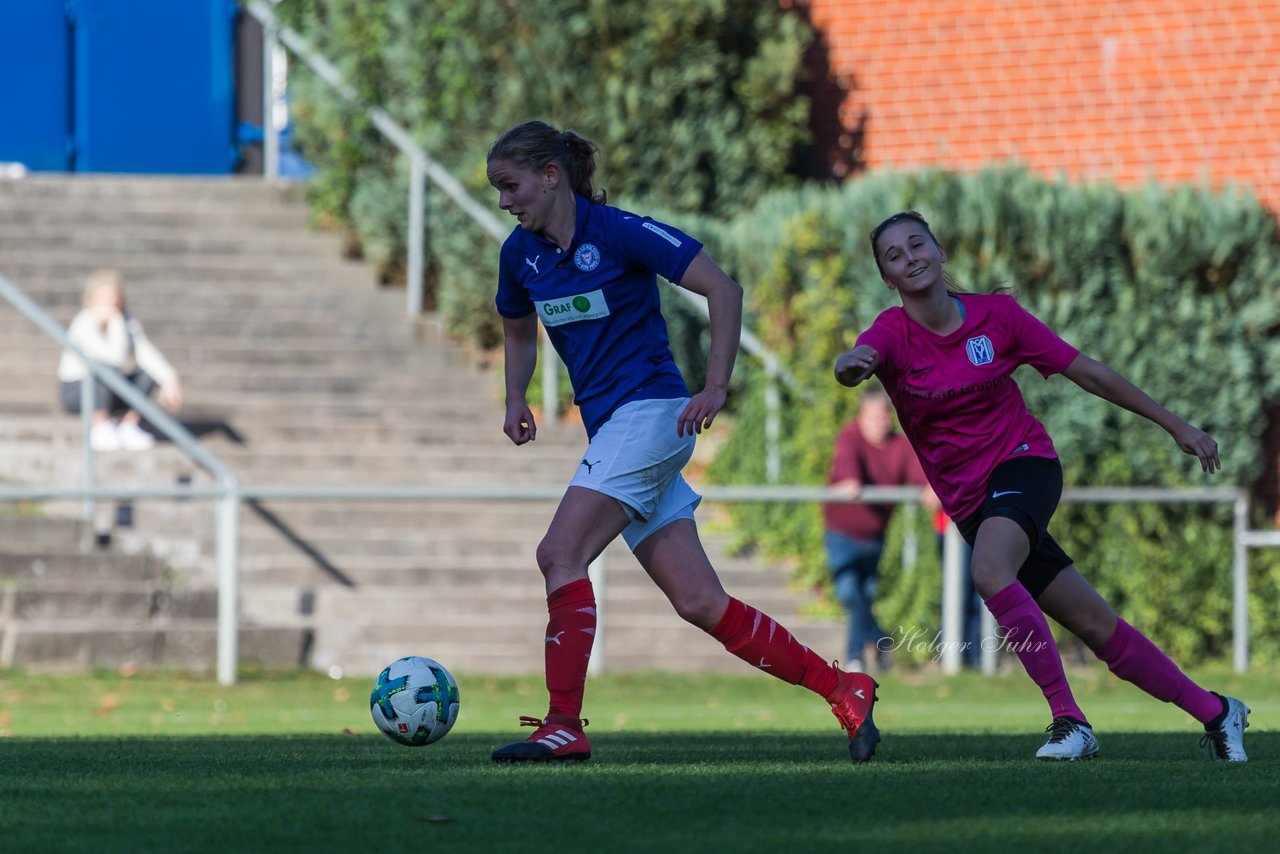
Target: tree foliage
{"x": 693, "y": 103}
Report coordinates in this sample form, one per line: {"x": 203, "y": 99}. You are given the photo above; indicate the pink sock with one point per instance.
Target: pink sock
{"x": 1134, "y": 658}
{"x": 1027, "y": 633}
{"x": 758, "y": 640}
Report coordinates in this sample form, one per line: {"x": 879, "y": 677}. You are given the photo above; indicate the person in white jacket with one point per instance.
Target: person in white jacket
{"x": 107, "y": 333}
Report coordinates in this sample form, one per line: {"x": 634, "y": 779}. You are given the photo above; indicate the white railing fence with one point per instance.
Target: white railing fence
{"x": 229, "y": 499}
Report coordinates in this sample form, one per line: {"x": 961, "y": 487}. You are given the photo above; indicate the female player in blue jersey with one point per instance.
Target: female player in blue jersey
{"x": 588, "y": 272}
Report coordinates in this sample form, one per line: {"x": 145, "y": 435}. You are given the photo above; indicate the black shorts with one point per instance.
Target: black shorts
{"x": 1025, "y": 490}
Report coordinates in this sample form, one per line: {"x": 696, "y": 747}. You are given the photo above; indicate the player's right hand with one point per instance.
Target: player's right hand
{"x": 519, "y": 424}
{"x": 1199, "y": 444}
{"x": 856, "y": 365}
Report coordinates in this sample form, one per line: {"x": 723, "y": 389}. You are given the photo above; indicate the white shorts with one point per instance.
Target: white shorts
{"x": 636, "y": 457}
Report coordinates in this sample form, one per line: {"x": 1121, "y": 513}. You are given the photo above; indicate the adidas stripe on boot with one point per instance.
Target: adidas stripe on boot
{"x": 558, "y": 738}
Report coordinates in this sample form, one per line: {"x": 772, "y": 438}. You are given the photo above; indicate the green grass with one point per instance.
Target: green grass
{"x": 170, "y": 763}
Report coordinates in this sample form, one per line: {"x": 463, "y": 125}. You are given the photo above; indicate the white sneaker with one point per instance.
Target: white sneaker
{"x": 1069, "y": 740}
{"x": 103, "y": 436}
{"x": 134, "y": 438}
{"x": 1227, "y": 740}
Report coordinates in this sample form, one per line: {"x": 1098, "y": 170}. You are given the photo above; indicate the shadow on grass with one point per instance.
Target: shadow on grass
{"x": 691, "y": 791}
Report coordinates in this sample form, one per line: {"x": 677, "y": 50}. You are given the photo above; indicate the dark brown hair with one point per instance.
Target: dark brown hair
{"x": 533, "y": 144}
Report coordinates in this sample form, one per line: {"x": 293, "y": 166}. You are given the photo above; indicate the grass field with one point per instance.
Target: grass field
{"x": 293, "y": 763}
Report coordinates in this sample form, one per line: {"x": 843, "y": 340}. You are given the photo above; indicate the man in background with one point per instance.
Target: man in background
{"x": 868, "y": 452}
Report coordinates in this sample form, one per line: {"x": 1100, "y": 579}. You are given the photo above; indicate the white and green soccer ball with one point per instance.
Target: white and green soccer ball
{"x": 414, "y": 701}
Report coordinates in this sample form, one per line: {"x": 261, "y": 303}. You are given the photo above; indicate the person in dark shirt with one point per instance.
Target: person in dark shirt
{"x": 868, "y": 452}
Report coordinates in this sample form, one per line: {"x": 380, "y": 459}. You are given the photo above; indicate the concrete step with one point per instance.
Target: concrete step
{"x": 624, "y": 646}
{"x": 249, "y": 327}
{"x": 77, "y": 645}
{"x": 393, "y": 606}
{"x": 116, "y": 600}
{"x": 43, "y": 535}
{"x": 90, "y": 567}
{"x": 151, "y": 213}
{"x": 164, "y": 464}
{"x": 219, "y": 354}
{"x": 156, "y": 303}
{"x": 32, "y": 355}
{"x": 189, "y": 193}
{"x": 123, "y": 239}
{"x": 54, "y": 430}
{"x": 42, "y": 275}
{"x": 248, "y": 407}
{"x": 433, "y": 385}
{"x": 22, "y": 264}
{"x": 430, "y": 517}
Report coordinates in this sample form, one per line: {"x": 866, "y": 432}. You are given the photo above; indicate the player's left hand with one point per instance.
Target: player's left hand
{"x": 1199, "y": 444}
{"x": 701, "y": 411}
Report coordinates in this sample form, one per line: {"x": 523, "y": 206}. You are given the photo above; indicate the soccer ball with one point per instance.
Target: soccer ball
{"x": 414, "y": 701}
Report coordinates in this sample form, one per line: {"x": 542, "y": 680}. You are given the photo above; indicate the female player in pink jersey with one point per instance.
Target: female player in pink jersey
{"x": 946, "y": 358}
{"x": 588, "y": 271}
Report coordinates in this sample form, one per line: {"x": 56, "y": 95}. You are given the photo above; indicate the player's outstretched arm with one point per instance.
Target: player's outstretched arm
{"x": 1105, "y": 382}
{"x": 856, "y": 365}
{"x": 520, "y": 348}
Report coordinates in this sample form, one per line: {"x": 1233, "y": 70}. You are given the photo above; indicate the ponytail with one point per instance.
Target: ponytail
{"x": 533, "y": 144}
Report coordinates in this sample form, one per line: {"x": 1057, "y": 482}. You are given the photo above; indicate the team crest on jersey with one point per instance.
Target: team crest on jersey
{"x": 587, "y": 257}
{"x": 980, "y": 350}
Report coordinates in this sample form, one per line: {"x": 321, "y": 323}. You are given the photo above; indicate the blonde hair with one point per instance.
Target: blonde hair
{"x": 98, "y": 280}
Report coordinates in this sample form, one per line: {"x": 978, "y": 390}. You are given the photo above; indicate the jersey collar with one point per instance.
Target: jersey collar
{"x": 581, "y": 210}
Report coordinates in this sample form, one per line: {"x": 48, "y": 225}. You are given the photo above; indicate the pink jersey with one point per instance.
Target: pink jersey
{"x": 955, "y": 396}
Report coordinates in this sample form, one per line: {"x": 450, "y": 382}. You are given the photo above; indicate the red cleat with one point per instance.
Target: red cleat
{"x": 559, "y": 738}
{"x": 853, "y": 701}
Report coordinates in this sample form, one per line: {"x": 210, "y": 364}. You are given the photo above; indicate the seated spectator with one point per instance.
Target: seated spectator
{"x": 107, "y": 333}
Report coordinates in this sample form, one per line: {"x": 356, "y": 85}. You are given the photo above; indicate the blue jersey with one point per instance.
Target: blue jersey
{"x": 600, "y": 304}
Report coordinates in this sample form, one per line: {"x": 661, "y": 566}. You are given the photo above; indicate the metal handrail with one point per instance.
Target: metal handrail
{"x": 227, "y": 530}
{"x": 422, "y": 166}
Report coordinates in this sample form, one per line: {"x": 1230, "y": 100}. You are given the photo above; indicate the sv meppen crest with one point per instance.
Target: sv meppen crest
{"x": 980, "y": 350}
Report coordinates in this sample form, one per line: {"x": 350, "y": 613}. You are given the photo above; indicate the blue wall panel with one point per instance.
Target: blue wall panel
{"x": 35, "y": 87}
{"x": 154, "y": 86}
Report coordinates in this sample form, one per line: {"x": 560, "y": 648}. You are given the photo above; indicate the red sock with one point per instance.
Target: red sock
{"x": 571, "y": 631}
{"x": 1133, "y": 657}
{"x": 1027, "y": 633}
{"x": 759, "y": 640}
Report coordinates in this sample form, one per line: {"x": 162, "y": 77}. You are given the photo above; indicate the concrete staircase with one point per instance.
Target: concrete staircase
{"x": 298, "y": 369}
{"x": 68, "y": 603}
